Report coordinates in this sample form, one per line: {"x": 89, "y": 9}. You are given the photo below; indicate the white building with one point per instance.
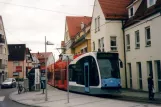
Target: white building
{"x": 106, "y": 28}
{"x": 35, "y": 61}
{"x": 51, "y": 59}
{"x": 3, "y": 52}
{"x": 143, "y": 35}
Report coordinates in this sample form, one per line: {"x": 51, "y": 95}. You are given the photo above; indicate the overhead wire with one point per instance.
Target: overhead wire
{"x": 47, "y": 10}
{"x": 44, "y": 9}
{"x": 14, "y": 36}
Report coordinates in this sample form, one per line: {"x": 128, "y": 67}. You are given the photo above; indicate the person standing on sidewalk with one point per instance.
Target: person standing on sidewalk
{"x": 150, "y": 87}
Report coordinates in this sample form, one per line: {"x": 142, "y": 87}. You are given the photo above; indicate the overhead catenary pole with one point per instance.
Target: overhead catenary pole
{"x": 54, "y": 71}
{"x": 46, "y": 99}
{"x": 67, "y": 79}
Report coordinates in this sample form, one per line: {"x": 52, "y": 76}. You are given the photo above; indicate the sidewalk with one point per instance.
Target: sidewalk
{"x": 140, "y": 96}
{"x": 58, "y": 98}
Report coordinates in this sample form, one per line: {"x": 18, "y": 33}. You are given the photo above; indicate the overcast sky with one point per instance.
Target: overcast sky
{"x": 28, "y": 21}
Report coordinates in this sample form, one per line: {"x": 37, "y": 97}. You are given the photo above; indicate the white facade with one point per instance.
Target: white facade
{"x": 3, "y": 52}
{"x": 67, "y": 40}
{"x": 108, "y": 29}
{"x": 50, "y": 60}
{"x": 145, "y": 53}
{"x": 35, "y": 61}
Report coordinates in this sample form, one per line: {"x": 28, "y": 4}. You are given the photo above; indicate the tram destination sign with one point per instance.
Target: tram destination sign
{"x": 107, "y": 55}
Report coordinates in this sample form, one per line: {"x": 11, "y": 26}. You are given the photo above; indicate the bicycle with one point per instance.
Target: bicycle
{"x": 20, "y": 88}
{"x": 25, "y": 89}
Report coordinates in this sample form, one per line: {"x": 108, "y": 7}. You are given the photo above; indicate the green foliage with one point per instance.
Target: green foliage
{"x": 19, "y": 79}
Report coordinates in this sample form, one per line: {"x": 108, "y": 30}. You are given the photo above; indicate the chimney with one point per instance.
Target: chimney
{"x": 82, "y": 25}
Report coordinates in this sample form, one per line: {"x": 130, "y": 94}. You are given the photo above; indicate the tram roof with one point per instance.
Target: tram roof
{"x": 94, "y": 53}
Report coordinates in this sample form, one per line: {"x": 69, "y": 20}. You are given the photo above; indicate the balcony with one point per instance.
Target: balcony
{"x": 2, "y": 41}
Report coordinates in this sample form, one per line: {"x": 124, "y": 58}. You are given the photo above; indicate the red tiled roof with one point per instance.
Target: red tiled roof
{"x": 115, "y": 9}
{"x": 41, "y": 54}
{"x": 74, "y": 23}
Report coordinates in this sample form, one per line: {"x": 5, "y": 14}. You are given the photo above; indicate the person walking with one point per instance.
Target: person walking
{"x": 150, "y": 87}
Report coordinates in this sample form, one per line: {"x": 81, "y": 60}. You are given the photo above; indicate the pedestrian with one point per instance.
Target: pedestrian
{"x": 150, "y": 87}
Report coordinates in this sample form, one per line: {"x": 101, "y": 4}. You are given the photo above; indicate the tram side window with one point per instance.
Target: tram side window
{"x": 80, "y": 72}
{"x": 72, "y": 73}
{"x": 93, "y": 72}
{"x": 57, "y": 75}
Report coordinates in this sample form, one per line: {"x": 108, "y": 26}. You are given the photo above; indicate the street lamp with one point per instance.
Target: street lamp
{"x": 46, "y": 43}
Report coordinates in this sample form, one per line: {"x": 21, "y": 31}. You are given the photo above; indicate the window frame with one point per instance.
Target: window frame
{"x": 137, "y": 43}
{"x": 146, "y": 35}
{"x": 140, "y": 76}
{"x": 99, "y": 43}
{"x": 148, "y": 3}
{"x": 96, "y": 25}
{"x": 130, "y": 74}
{"x": 93, "y": 46}
{"x": 113, "y": 48}
{"x": 131, "y": 11}
{"x": 102, "y": 43}
{"x": 128, "y": 42}
{"x": 16, "y": 63}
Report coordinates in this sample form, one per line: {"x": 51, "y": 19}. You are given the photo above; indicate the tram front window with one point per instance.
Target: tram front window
{"x": 109, "y": 68}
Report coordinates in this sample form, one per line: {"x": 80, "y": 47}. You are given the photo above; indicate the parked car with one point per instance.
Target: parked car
{"x": 9, "y": 83}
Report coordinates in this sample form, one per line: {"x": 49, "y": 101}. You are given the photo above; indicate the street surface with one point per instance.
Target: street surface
{"x": 58, "y": 98}
{"x": 5, "y": 101}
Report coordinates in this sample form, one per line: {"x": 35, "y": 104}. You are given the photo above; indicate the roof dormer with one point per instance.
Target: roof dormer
{"x": 131, "y": 12}
{"x": 132, "y": 8}
{"x": 151, "y": 3}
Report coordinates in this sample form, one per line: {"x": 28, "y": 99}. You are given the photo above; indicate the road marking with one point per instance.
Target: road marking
{"x": 2, "y": 98}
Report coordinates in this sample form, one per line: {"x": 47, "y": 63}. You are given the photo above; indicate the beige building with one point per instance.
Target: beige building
{"x": 106, "y": 29}
{"x": 3, "y": 52}
{"x": 19, "y": 61}
{"x": 142, "y": 37}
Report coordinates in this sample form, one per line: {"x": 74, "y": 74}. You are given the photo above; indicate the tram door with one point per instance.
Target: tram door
{"x": 86, "y": 76}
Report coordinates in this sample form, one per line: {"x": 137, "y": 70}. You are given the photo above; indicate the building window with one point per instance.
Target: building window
{"x": 93, "y": 46}
{"x": 16, "y": 63}
{"x": 102, "y": 44}
{"x": 130, "y": 73}
{"x": 131, "y": 11}
{"x": 0, "y": 27}
{"x": 137, "y": 40}
{"x": 139, "y": 74}
{"x": 85, "y": 49}
{"x": 158, "y": 71}
{"x": 151, "y": 2}
{"x": 128, "y": 42}
{"x": 99, "y": 44}
{"x": 81, "y": 50}
{"x": 148, "y": 36}
{"x": 96, "y": 25}
{"x": 150, "y": 67}
{"x": 1, "y": 49}
{"x": 113, "y": 43}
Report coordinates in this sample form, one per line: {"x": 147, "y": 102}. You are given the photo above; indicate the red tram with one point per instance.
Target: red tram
{"x": 59, "y": 74}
